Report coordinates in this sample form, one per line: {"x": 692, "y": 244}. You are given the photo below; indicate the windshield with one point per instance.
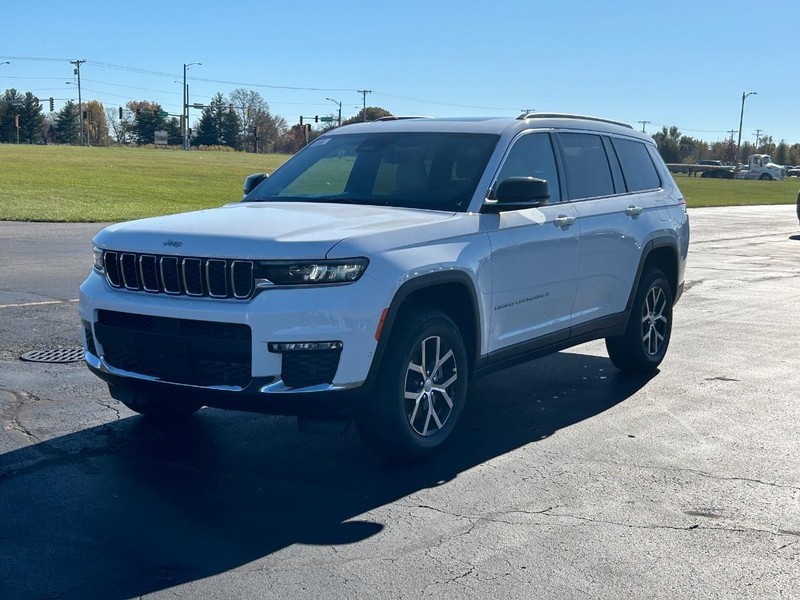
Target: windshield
{"x": 437, "y": 171}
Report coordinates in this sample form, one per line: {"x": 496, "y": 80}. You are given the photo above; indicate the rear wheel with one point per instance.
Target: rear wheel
{"x": 421, "y": 390}
{"x": 765, "y": 177}
{"x": 644, "y": 343}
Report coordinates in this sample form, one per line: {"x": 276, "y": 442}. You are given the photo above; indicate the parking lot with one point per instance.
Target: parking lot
{"x": 566, "y": 479}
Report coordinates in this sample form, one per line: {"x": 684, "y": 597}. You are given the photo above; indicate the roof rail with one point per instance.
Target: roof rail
{"x": 533, "y": 115}
{"x": 399, "y": 117}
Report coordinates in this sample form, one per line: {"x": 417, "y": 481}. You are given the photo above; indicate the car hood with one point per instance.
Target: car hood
{"x": 261, "y": 230}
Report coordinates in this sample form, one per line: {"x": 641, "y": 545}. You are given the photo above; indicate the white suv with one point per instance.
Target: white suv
{"x": 383, "y": 266}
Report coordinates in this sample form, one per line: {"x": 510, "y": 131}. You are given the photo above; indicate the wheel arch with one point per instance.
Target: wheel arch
{"x": 661, "y": 253}
{"x": 453, "y": 293}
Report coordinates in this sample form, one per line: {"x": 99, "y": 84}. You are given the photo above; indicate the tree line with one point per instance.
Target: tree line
{"x": 675, "y": 147}
{"x": 242, "y": 121}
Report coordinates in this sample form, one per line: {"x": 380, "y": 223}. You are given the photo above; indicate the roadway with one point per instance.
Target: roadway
{"x": 565, "y": 478}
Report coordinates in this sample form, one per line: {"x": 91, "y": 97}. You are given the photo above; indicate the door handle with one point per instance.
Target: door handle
{"x": 563, "y": 221}
{"x": 632, "y": 210}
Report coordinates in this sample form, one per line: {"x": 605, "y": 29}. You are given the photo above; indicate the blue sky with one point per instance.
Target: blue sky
{"x": 670, "y": 63}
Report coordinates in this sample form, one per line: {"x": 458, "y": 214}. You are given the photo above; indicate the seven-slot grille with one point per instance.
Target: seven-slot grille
{"x": 179, "y": 275}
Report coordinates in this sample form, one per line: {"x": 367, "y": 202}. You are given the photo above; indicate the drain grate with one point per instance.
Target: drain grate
{"x": 59, "y": 355}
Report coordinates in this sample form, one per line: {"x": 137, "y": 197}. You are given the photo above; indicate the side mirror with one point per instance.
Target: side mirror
{"x": 252, "y": 181}
{"x": 516, "y": 193}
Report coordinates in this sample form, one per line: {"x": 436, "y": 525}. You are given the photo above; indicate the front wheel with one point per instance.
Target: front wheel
{"x": 642, "y": 346}
{"x": 765, "y": 177}
{"x": 421, "y": 390}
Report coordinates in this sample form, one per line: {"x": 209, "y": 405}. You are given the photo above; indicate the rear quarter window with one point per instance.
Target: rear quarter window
{"x": 637, "y": 167}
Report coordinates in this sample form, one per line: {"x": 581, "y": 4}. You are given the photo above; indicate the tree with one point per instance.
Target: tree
{"x": 766, "y": 145}
{"x": 781, "y": 156}
{"x": 66, "y": 124}
{"x": 147, "y": 120}
{"x": 95, "y": 123}
{"x": 10, "y": 105}
{"x": 668, "y": 144}
{"x": 256, "y": 121}
{"x": 31, "y": 120}
{"x": 219, "y": 124}
{"x": 373, "y": 113}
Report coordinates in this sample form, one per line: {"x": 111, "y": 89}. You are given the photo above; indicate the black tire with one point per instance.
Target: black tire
{"x": 642, "y": 346}
{"x": 154, "y": 404}
{"x": 765, "y": 177}
{"x": 421, "y": 389}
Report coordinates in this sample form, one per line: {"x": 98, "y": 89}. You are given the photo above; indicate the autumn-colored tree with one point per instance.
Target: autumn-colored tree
{"x": 95, "y": 123}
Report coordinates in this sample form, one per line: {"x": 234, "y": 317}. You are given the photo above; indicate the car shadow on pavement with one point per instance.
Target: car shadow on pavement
{"x": 131, "y": 507}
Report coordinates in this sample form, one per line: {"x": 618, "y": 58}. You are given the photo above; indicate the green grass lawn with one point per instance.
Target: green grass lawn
{"x": 74, "y": 184}
{"x": 734, "y": 192}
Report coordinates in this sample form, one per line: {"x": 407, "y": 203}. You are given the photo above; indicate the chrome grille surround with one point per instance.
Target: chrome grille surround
{"x": 219, "y": 278}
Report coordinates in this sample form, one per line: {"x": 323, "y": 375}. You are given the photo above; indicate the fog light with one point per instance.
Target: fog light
{"x": 303, "y": 346}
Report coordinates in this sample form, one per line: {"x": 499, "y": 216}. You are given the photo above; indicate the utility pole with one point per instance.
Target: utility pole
{"x": 643, "y": 124}
{"x": 364, "y": 109}
{"x": 77, "y": 72}
{"x": 758, "y": 137}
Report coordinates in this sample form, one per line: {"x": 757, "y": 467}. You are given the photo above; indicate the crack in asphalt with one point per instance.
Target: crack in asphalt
{"x": 549, "y": 512}
{"x": 10, "y": 414}
{"x": 695, "y": 472}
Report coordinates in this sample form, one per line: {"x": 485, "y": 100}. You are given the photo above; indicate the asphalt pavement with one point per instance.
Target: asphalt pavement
{"x": 565, "y": 479}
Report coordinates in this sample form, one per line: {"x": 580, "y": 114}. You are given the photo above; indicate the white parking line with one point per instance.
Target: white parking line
{"x": 37, "y": 303}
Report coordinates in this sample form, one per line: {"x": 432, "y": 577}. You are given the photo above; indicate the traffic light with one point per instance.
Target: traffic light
{"x": 316, "y": 118}
{"x": 301, "y": 119}
{"x": 308, "y": 126}
{"x": 138, "y": 112}
{"x": 120, "y": 113}
{"x": 52, "y": 107}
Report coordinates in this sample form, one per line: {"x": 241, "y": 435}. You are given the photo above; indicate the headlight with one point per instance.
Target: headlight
{"x": 318, "y": 272}
{"x": 98, "y": 260}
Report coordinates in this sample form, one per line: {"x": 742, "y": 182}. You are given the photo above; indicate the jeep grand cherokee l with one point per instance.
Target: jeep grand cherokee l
{"x": 386, "y": 264}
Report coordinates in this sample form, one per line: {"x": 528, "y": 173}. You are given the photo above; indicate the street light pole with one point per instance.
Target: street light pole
{"x": 338, "y": 102}
{"x": 741, "y": 117}
{"x": 186, "y": 106}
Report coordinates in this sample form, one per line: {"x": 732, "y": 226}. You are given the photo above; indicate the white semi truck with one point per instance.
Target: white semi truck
{"x": 760, "y": 166}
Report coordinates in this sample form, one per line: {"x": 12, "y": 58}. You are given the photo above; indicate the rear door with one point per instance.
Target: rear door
{"x": 614, "y": 219}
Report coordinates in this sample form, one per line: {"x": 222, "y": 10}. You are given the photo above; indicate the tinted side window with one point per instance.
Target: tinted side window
{"x": 586, "y": 165}
{"x": 637, "y": 166}
{"x": 532, "y": 156}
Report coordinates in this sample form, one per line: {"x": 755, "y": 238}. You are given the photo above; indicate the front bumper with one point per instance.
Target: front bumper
{"x": 231, "y": 370}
